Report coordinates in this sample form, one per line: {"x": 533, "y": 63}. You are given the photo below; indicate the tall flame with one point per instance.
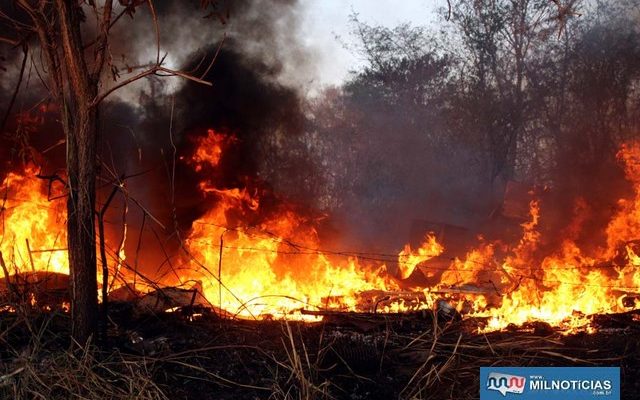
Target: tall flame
{"x": 565, "y": 287}
{"x": 33, "y": 234}
{"x": 254, "y": 262}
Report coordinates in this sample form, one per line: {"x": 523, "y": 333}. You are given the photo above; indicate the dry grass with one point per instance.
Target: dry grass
{"x": 296, "y": 376}
{"x": 81, "y": 374}
{"x": 209, "y": 358}
{"x": 35, "y": 365}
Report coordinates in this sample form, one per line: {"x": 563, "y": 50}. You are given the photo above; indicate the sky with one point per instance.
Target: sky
{"x": 322, "y": 29}
{"x": 323, "y": 20}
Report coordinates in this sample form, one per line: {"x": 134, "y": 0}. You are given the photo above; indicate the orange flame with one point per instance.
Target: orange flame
{"x": 29, "y": 217}
{"x": 409, "y": 259}
{"x": 209, "y": 149}
{"x": 270, "y": 264}
{"x": 564, "y": 288}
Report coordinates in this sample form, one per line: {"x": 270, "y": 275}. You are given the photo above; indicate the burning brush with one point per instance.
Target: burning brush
{"x": 276, "y": 267}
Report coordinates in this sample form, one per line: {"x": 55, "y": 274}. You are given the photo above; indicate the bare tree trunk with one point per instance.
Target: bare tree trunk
{"x": 80, "y": 121}
{"x": 75, "y": 69}
{"x": 81, "y": 128}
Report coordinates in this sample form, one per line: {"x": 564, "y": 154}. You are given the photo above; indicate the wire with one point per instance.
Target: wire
{"x": 302, "y": 249}
{"x": 371, "y": 256}
{"x": 381, "y": 257}
{"x": 395, "y": 258}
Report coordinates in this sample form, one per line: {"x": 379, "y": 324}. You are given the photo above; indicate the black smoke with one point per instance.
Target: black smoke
{"x": 150, "y": 128}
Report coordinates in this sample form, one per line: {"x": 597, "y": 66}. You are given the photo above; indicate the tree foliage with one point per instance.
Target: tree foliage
{"x": 436, "y": 123}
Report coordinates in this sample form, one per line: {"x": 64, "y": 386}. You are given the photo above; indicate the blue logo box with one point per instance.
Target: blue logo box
{"x": 549, "y": 383}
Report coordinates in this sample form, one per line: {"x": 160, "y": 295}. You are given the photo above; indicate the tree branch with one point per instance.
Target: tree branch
{"x": 151, "y": 71}
{"x": 157, "y": 29}
{"x": 12, "y": 42}
{"x": 25, "y": 49}
{"x": 113, "y": 22}
{"x": 46, "y": 45}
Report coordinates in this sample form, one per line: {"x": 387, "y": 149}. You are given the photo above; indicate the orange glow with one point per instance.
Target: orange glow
{"x": 564, "y": 288}
{"x": 560, "y": 289}
{"x": 409, "y": 259}
{"x": 209, "y": 149}
{"x": 28, "y": 215}
{"x": 261, "y": 263}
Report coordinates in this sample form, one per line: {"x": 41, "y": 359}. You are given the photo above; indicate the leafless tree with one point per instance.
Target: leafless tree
{"x": 73, "y": 38}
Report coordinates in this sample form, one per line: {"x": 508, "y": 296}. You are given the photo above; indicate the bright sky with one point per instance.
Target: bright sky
{"x": 324, "y": 19}
{"x": 320, "y": 22}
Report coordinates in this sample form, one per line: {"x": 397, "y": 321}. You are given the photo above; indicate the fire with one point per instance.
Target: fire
{"x": 562, "y": 290}
{"x": 625, "y": 225}
{"x": 263, "y": 275}
{"x": 33, "y": 238}
{"x": 408, "y": 259}
{"x": 209, "y": 149}
{"x": 255, "y": 262}
{"x": 33, "y": 235}
{"x": 262, "y": 271}
{"x": 275, "y": 267}
{"x": 565, "y": 288}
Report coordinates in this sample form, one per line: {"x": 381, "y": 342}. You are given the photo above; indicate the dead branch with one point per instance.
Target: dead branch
{"x": 25, "y": 50}
{"x": 103, "y": 257}
{"x": 33, "y": 266}
{"x": 102, "y": 41}
{"x": 10, "y": 286}
{"x": 155, "y": 70}
{"x": 10, "y": 41}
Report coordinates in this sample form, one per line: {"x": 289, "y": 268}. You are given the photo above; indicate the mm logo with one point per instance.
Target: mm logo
{"x": 505, "y": 383}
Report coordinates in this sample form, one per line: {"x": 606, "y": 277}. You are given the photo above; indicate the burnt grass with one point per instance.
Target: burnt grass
{"x": 195, "y": 354}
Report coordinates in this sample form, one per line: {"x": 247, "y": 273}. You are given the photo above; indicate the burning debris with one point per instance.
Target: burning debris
{"x": 274, "y": 266}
